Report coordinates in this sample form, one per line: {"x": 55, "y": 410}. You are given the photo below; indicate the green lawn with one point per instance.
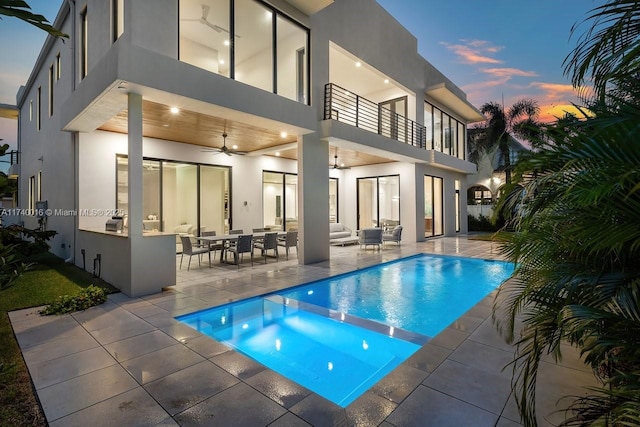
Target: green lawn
{"x": 47, "y": 280}
{"x": 498, "y": 236}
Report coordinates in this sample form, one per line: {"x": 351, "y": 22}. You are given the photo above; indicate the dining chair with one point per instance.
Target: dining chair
{"x": 213, "y": 247}
{"x": 269, "y": 242}
{"x": 188, "y": 249}
{"x": 243, "y": 245}
{"x": 290, "y": 241}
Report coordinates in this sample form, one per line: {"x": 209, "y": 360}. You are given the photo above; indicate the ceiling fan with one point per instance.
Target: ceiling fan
{"x": 203, "y": 20}
{"x": 335, "y": 163}
{"x": 224, "y": 149}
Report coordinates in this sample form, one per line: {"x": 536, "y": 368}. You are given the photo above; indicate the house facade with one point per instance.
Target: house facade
{"x": 184, "y": 116}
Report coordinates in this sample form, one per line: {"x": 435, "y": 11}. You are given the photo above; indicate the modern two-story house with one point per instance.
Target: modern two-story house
{"x": 193, "y": 115}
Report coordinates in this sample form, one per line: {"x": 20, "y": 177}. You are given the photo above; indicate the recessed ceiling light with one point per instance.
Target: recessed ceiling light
{"x": 235, "y": 147}
{"x": 175, "y": 110}
{"x": 221, "y": 61}
{"x": 283, "y": 134}
{"x": 358, "y": 64}
{"x": 277, "y": 154}
{"x": 386, "y": 81}
{"x": 226, "y": 43}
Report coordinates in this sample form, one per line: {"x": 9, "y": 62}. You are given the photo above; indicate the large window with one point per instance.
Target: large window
{"x": 205, "y": 39}
{"x": 433, "y": 210}
{"x": 249, "y": 41}
{"x": 280, "y": 200}
{"x": 254, "y": 50}
{"x": 444, "y": 133}
{"x": 192, "y": 196}
{"x": 291, "y": 65}
{"x": 379, "y": 202}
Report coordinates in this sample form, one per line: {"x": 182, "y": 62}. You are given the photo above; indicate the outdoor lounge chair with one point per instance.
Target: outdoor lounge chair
{"x": 370, "y": 236}
{"x": 394, "y": 236}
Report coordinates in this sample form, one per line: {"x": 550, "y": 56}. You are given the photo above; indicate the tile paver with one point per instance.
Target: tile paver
{"x": 129, "y": 362}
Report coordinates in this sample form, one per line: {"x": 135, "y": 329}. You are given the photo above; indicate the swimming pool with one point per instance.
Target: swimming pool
{"x": 341, "y": 335}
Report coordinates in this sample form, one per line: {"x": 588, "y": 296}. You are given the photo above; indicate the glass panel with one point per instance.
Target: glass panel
{"x": 118, "y": 18}
{"x": 180, "y": 197}
{"x": 151, "y": 195}
{"x": 437, "y": 129}
{"x": 214, "y": 199}
{"x": 461, "y": 142}
{"x": 446, "y": 128}
{"x": 122, "y": 180}
{"x": 428, "y": 206}
{"x": 204, "y": 34}
{"x": 254, "y": 44}
{"x": 292, "y": 60}
{"x": 428, "y": 125}
{"x": 367, "y": 203}
{"x": 389, "y": 197}
{"x": 457, "y": 197}
{"x": 272, "y": 200}
{"x": 433, "y": 218}
{"x": 438, "y": 225}
{"x": 454, "y": 137}
{"x": 333, "y": 200}
{"x": 291, "y": 202}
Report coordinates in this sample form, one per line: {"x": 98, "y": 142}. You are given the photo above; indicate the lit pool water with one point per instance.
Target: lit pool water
{"x": 340, "y": 336}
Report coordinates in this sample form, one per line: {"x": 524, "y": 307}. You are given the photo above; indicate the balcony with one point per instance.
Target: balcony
{"x": 346, "y": 107}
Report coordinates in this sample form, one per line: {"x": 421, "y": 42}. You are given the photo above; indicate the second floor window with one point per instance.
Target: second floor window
{"x": 444, "y": 133}
{"x": 249, "y": 41}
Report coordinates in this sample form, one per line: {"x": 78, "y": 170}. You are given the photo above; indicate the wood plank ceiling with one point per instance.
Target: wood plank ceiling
{"x": 195, "y": 128}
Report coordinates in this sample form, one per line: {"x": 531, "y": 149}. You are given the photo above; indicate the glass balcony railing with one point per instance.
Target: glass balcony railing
{"x": 349, "y": 108}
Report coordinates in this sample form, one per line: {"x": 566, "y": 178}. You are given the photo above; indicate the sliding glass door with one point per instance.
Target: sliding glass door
{"x": 379, "y": 202}
{"x": 280, "y": 200}
{"x": 433, "y": 210}
{"x": 214, "y": 199}
{"x": 179, "y": 197}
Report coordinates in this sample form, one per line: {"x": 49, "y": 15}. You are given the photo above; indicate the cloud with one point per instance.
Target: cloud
{"x": 509, "y": 72}
{"x": 474, "y": 51}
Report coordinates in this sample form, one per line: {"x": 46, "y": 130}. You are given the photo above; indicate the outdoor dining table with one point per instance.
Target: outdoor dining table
{"x": 233, "y": 238}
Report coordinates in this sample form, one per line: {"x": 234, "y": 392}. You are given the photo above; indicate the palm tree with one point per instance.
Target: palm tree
{"x": 578, "y": 251}
{"x": 20, "y": 9}
{"x": 607, "y": 54}
{"x": 501, "y": 126}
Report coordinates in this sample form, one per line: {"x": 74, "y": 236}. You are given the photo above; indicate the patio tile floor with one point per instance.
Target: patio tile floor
{"x": 128, "y": 362}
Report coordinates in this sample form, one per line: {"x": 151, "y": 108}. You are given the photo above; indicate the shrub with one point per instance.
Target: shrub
{"x": 86, "y": 298}
{"x": 16, "y": 244}
{"x": 482, "y": 223}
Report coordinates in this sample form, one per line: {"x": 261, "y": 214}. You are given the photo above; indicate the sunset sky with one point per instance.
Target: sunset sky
{"x": 502, "y": 49}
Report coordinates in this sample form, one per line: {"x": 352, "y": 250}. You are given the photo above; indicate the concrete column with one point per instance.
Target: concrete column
{"x": 135, "y": 164}
{"x": 313, "y": 199}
